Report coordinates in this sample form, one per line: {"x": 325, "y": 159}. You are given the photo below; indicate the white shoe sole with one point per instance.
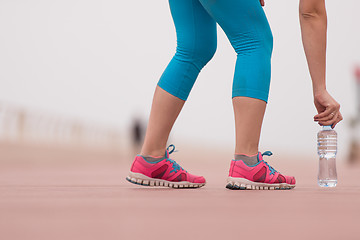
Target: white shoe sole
{"x": 244, "y": 184}
{"x": 141, "y": 179}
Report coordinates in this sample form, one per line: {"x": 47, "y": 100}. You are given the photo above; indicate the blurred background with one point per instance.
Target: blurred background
{"x": 83, "y": 71}
{"x": 76, "y": 84}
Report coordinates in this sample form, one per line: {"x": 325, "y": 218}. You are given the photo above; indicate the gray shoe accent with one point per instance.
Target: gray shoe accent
{"x": 152, "y": 159}
{"x": 246, "y": 159}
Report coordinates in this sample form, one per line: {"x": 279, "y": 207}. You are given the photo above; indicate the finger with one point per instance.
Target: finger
{"x": 324, "y": 113}
{"x": 331, "y": 118}
{"x": 337, "y": 120}
{"x": 326, "y": 118}
{"x": 262, "y": 2}
{"x": 335, "y": 108}
{"x": 331, "y": 121}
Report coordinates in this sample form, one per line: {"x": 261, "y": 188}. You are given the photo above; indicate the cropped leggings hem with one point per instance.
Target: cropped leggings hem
{"x": 251, "y": 93}
{"x": 175, "y": 92}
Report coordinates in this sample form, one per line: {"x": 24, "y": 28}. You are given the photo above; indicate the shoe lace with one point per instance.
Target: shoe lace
{"x": 272, "y": 170}
{"x": 176, "y": 166}
{"x": 172, "y": 150}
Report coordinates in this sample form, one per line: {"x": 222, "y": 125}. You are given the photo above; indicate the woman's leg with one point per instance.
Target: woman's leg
{"x": 196, "y": 38}
{"x": 246, "y": 26}
{"x": 249, "y": 113}
{"x": 196, "y": 44}
{"x": 164, "y": 111}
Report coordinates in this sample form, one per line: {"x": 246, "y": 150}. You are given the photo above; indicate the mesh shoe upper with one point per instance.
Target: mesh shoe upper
{"x": 261, "y": 172}
{"x": 166, "y": 169}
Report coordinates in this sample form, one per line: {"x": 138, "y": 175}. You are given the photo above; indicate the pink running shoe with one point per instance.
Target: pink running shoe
{"x": 166, "y": 172}
{"x": 259, "y": 176}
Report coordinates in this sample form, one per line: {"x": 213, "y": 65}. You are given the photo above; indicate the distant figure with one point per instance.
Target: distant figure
{"x": 357, "y": 78}
{"x": 137, "y": 133}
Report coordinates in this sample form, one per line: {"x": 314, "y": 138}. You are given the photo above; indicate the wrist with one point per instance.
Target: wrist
{"x": 319, "y": 90}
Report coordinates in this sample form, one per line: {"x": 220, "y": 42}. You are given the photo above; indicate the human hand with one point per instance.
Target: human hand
{"x": 328, "y": 109}
{"x": 262, "y": 2}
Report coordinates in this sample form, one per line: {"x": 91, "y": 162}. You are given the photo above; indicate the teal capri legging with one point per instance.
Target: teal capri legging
{"x": 245, "y": 24}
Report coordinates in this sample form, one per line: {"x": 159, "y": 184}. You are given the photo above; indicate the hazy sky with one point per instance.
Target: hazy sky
{"x": 100, "y": 61}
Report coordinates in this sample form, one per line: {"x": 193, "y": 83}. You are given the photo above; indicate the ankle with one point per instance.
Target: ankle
{"x": 246, "y": 152}
{"x": 153, "y": 152}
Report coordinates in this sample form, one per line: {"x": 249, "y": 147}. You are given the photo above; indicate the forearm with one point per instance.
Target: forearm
{"x": 313, "y": 23}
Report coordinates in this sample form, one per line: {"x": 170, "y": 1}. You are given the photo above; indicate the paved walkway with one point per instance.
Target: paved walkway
{"x": 48, "y": 193}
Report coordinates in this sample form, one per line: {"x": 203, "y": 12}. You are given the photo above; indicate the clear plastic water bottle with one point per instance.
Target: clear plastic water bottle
{"x": 327, "y": 149}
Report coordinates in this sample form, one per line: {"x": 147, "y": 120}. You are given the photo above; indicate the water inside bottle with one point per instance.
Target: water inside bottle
{"x": 327, "y": 149}
{"x": 327, "y": 172}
